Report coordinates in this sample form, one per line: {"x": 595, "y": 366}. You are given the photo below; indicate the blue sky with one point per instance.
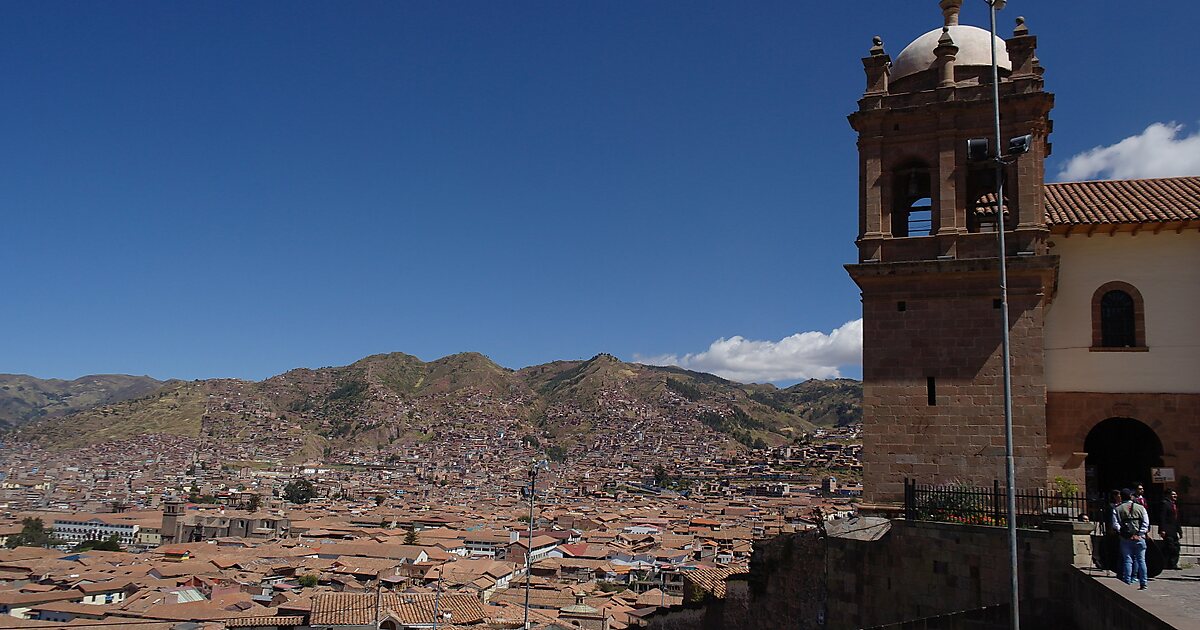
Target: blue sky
{"x": 203, "y": 189}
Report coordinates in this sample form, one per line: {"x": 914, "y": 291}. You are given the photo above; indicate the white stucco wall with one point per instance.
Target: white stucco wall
{"x": 1165, "y": 268}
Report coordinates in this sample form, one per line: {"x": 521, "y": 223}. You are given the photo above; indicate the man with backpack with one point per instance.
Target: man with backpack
{"x": 1131, "y": 522}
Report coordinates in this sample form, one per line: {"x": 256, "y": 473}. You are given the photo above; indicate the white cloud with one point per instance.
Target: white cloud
{"x": 1159, "y": 151}
{"x": 799, "y": 357}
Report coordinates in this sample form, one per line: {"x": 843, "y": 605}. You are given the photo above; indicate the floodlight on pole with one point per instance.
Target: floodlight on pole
{"x": 1009, "y": 462}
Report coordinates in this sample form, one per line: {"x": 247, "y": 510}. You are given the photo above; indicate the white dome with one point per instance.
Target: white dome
{"x": 972, "y": 45}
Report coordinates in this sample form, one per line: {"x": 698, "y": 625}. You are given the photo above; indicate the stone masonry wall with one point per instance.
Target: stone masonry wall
{"x": 922, "y": 570}
{"x": 785, "y": 589}
{"x": 943, "y": 324}
{"x": 914, "y": 571}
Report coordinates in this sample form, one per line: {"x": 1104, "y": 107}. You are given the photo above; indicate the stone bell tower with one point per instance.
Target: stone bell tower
{"x": 928, "y": 260}
{"x": 172, "y": 512}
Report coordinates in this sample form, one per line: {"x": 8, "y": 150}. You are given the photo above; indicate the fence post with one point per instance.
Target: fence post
{"x": 910, "y": 503}
{"x": 995, "y": 501}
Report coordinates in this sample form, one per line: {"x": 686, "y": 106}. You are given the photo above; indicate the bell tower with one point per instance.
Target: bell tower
{"x": 928, "y": 259}
{"x": 172, "y": 512}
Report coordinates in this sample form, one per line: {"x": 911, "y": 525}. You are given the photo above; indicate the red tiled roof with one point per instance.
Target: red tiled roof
{"x": 712, "y": 580}
{"x": 1169, "y": 200}
{"x": 360, "y": 608}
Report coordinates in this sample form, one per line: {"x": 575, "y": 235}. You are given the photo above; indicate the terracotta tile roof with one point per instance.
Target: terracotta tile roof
{"x": 14, "y": 599}
{"x": 461, "y": 609}
{"x": 712, "y": 580}
{"x": 360, "y": 608}
{"x": 655, "y": 597}
{"x": 1123, "y": 201}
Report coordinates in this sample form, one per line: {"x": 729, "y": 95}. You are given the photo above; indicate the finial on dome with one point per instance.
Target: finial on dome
{"x": 945, "y": 52}
{"x": 1021, "y": 29}
{"x": 877, "y": 46}
{"x": 950, "y": 10}
{"x": 945, "y": 39}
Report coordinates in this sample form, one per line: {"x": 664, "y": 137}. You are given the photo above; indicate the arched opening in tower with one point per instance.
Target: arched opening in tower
{"x": 912, "y": 207}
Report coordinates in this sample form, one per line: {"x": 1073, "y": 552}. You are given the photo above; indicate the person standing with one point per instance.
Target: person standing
{"x": 1110, "y": 546}
{"x": 1132, "y": 523}
{"x": 1114, "y": 501}
{"x": 1139, "y": 497}
{"x": 1170, "y": 530}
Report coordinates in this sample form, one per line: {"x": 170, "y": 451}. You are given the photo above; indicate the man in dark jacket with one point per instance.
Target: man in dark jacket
{"x": 1170, "y": 529}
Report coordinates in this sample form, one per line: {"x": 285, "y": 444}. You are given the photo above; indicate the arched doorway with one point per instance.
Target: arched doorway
{"x": 1120, "y": 454}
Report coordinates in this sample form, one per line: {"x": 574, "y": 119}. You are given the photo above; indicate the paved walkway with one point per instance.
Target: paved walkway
{"x": 1174, "y": 596}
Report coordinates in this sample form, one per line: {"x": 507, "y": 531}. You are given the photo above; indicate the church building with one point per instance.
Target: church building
{"x": 1103, "y": 287}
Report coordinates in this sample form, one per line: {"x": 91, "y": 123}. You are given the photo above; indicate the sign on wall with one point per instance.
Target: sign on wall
{"x": 1162, "y": 475}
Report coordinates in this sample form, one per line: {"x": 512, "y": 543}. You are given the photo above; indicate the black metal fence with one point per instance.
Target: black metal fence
{"x": 973, "y": 505}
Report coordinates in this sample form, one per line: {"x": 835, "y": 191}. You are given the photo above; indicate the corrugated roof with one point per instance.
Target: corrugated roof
{"x": 1127, "y": 201}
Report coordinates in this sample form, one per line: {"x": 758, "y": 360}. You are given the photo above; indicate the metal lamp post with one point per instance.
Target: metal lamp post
{"x": 437, "y": 595}
{"x": 1009, "y": 462}
{"x": 533, "y": 471}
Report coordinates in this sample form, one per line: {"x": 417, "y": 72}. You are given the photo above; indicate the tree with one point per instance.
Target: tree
{"x": 299, "y": 491}
{"x": 308, "y": 580}
{"x": 410, "y": 537}
{"x": 556, "y": 453}
{"x": 661, "y": 476}
{"x": 379, "y": 499}
{"x": 252, "y": 502}
{"x": 112, "y": 543}
{"x": 33, "y": 534}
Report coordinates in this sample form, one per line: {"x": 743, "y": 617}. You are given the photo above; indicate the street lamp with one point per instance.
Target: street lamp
{"x": 534, "y": 467}
{"x": 977, "y": 150}
{"x": 437, "y": 594}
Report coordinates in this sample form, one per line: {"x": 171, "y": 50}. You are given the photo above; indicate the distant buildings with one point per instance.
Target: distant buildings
{"x": 178, "y": 526}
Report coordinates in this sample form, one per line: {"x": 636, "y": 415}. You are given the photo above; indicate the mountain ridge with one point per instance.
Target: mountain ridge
{"x": 24, "y": 398}
{"x": 382, "y": 399}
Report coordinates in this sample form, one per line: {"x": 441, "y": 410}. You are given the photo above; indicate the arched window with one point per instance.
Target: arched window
{"x": 1118, "y": 318}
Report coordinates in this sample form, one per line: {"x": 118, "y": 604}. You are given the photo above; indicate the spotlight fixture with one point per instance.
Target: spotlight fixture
{"x": 977, "y": 150}
{"x": 1020, "y": 144}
